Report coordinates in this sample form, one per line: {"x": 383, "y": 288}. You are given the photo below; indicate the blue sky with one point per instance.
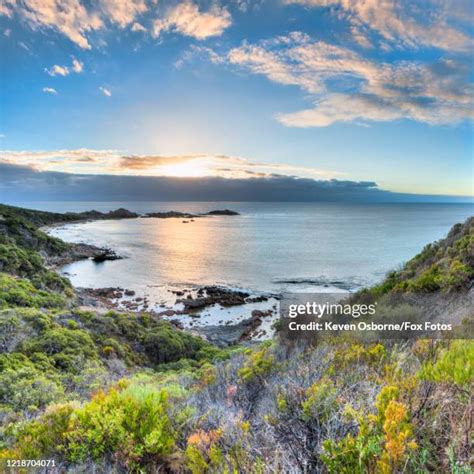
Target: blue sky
{"x": 345, "y": 89}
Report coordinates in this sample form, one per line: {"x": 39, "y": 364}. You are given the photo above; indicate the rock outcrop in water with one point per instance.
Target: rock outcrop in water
{"x": 171, "y": 215}
{"x": 210, "y": 295}
{"x": 106, "y": 254}
{"x": 188, "y": 215}
{"x": 222, "y": 212}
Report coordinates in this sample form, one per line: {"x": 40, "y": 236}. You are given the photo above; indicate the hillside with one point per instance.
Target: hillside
{"x": 446, "y": 265}
{"x": 97, "y": 391}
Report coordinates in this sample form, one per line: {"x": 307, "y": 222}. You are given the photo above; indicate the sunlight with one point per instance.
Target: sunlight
{"x": 188, "y": 169}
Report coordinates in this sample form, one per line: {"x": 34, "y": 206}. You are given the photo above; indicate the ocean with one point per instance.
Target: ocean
{"x": 270, "y": 247}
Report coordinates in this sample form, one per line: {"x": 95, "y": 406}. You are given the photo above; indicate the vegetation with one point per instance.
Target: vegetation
{"x": 446, "y": 265}
{"x": 127, "y": 392}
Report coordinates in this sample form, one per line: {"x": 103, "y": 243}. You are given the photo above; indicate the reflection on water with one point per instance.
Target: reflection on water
{"x": 270, "y": 247}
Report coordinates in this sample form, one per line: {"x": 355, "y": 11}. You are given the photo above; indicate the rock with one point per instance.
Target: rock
{"x": 129, "y": 293}
{"x": 211, "y": 295}
{"x": 257, "y": 299}
{"x": 121, "y": 213}
{"x": 177, "y": 323}
{"x": 168, "y": 312}
{"x": 171, "y": 215}
{"x": 222, "y": 212}
{"x": 250, "y": 327}
{"x": 107, "y": 254}
{"x": 195, "y": 303}
{"x": 256, "y": 313}
{"x": 229, "y": 334}
{"x": 188, "y": 215}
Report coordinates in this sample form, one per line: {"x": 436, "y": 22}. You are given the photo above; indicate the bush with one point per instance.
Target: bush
{"x": 257, "y": 364}
{"x": 165, "y": 344}
{"x": 68, "y": 348}
{"x": 20, "y": 292}
{"x": 132, "y": 427}
{"x": 454, "y": 365}
{"x": 24, "y": 387}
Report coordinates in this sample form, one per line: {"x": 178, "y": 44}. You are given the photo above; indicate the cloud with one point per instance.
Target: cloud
{"x": 44, "y": 160}
{"x": 123, "y": 12}
{"x": 432, "y": 23}
{"x": 73, "y": 18}
{"x": 187, "y": 19}
{"x": 136, "y": 162}
{"x": 23, "y": 183}
{"x": 138, "y": 27}
{"x": 69, "y": 17}
{"x": 77, "y": 66}
{"x": 57, "y": 70}
{"x": 49, "y": 90}
{"x": 347, "y": 86}
{"x": 112, "y": 161}
{"x": 105, "y": 91}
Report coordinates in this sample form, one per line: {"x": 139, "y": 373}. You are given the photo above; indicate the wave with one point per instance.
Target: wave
{"x": 347, "y": 284}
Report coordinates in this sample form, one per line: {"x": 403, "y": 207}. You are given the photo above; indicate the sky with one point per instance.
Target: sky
{"x": 358, "y": 93}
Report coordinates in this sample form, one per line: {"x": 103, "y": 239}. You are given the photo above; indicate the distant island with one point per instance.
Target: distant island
{"x": 187, "y": 215}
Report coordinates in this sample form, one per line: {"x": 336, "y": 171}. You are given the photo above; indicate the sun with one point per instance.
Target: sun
{"x": 188, "y": 169}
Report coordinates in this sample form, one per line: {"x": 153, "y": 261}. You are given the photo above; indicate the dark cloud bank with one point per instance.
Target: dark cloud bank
{"x": 21, "y": 183}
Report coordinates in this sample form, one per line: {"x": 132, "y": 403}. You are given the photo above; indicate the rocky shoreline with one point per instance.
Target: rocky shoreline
{"x": 82, "y": 251}
{"x": 190, "y": 307}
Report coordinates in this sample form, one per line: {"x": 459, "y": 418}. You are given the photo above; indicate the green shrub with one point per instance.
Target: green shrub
{"x": 455, "y": 364}
{"x": 68, "y": 348}
{"x": 165, "y": 344}
{"x": 24, "y": 387}
{"x": 20, "y": 292}
{"x": 257, "y": 364}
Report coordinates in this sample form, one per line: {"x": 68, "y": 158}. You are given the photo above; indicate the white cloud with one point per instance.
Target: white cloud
{"x": 57, "y": 70}
{"x": 114, "y": 162}
{"x": 123, "y": 12}
{"x": 69, "y": 17}
{"x": 348, "y": 87}
{"x": 403, "y": 24}
{"x": 78, "y": 19}
{"x": 105, "y": 91}
{"x": 138, "y": 27}
{"x": 187, "y": 19}
{"x": 77, "y": 66}
{"x": 74, "y": 18}
{"x": 49, "y": 90}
